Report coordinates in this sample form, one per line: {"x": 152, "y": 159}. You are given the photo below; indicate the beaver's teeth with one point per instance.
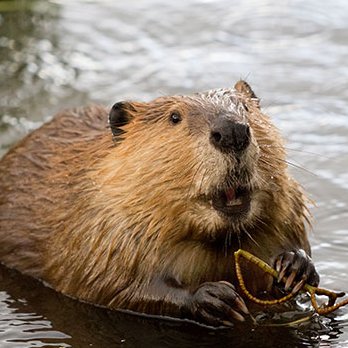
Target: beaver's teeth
{"x": 234, "y": 202}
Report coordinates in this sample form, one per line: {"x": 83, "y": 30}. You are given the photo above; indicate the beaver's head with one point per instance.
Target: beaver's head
{"x": 208, "y": 163}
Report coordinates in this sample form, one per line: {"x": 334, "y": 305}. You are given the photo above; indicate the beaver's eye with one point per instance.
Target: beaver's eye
{"x": 175, "y": 118}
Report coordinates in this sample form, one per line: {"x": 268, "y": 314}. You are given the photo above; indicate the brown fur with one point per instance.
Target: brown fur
{"x": 118, "y": 223}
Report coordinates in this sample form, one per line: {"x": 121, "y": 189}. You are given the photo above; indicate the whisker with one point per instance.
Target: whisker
{"x": 292, "y": 149}
{"x": 297, "y": 166}
{"x": 264, "y": 157}
{"x": 251, "y": 237}
{"x": 227, "y": 242}
{"x": 239, "y": 240}
{"x": 260, "y": 221}
{"x": 263, "y": 160}
{"x": 275, "y": 169}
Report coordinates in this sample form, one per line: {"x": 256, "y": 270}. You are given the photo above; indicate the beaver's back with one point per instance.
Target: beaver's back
{"x": 31, "y": 175}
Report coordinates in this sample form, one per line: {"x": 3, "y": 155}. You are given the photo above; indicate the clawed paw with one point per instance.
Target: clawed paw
{"x": 295, "y": 269}
{"x": 218, "y": 304}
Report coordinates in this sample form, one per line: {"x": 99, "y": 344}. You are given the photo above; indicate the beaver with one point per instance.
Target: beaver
{"x": 146, "y": 217}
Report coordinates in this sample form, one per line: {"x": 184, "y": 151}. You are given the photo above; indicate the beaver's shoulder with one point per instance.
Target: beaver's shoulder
{"x": 76, "y": 123}
{"x": 70, "y": 125}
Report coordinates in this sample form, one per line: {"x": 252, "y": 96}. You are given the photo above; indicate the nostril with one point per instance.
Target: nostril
{"x": 227, "y": 135}
{"x": 216, "y": 136}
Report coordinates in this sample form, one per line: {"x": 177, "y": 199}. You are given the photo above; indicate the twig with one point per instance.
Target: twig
{"x": 312, "y": 290}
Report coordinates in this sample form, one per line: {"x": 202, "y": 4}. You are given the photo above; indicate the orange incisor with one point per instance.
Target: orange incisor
{"x": 312, "y": 290}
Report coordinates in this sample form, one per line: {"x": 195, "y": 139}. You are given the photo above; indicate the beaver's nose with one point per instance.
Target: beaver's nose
{"x": 227, "y": 135}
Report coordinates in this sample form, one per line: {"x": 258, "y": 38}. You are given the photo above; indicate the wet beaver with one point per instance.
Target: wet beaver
{"x": 149, "y": 220}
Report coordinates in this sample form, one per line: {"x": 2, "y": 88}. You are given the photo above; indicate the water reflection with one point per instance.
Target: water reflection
{"x": 57, "y": 54}
{"x": 32, "y": 315}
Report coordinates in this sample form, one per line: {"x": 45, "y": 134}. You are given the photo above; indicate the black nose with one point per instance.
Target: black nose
{"x": 227, "y": 135}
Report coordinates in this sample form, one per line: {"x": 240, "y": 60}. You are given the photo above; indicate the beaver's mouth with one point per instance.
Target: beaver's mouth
{"x": 232, "y": 202}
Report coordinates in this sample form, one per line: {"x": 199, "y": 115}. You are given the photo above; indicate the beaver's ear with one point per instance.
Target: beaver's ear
{"x": 244, "y": 88}
{"x": 119, "y": 116}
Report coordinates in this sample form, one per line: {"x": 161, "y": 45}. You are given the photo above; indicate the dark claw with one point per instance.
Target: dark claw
{"x": 227, "y": 323}
{"x": 241, "y": 305}
{"x": 217, "y": 303}
{"x": 236, "y": 315}
{"x": 278, "y": 265}
{"x": 282, "y": 274}
{"x": 295, "y": 270}
{"x": 290, "y": 280}
{"x": 298, "y": 286}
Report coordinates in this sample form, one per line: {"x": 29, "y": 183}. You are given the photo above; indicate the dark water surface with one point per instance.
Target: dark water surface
{"x": 57, "y": 54}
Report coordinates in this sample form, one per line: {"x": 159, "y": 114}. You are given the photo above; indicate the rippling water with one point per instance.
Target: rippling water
{"x": 57, "y": 54}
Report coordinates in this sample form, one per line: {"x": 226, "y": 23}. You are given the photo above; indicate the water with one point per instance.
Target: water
{"x": 58, "y": 54}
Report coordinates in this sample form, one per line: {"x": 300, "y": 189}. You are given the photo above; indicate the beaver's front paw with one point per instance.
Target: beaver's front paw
{"x": 217, "y": 303}
{"x": 296, "y": 269}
